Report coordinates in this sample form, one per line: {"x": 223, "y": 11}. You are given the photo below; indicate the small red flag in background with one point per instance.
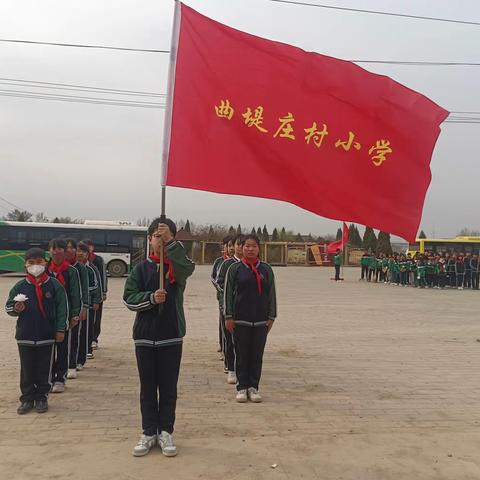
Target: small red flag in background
{"x": 332, "y": 246}
{"x": 260, "y": 118}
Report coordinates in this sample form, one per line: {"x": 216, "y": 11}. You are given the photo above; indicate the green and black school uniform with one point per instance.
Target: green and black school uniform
{"x": 94, "y": 296}
{"x": 75, "y": 331}
{"x": 46, "y": 314}
{"x": 228, "y": 349}
{"x": 337, "y": 263}
{"x": 99, "y": 263}
{"x": 213, "y": 278}
{"x": 158, "y": 333}
{"x": 250, "y": 301}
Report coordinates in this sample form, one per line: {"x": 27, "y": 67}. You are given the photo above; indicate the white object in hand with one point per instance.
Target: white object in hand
{"x": 20, "y": 298}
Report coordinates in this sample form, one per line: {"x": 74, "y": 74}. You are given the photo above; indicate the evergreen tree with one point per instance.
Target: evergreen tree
{"x": 339, "y": 234}
{"x": 265, "y": 236}
{"x": 211, "y": 233}
{"x": 354, "y": 238}
{"x": 19, "y": 216}
{"x": 369, "y": 239}
{"x": 187, "y": 227}
{"x": 275, "y": 236}
{"x": 259, "y": 233}
{"x": 383, "y": 244}
{"x": 299, "y": 238}
{"x": 253, "y": 232}
{"x": 231, "y": 231}
{"x": 422, "y": 234}
{"x": 310, "y": 238}
{"x": 283, "y": 235}
{"x": 239, "y": 229}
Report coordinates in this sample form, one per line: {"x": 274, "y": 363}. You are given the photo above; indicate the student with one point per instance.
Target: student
{"x": 475, "y": 271}
{"x": 94, "y": 297}
{"x": 61, "y": 269}
{"x": 71, "y": 256}
{"x": 158, "y": 333}
{"x": 460, "y": 271}
{"x": 250, "y": 309}
{"x": 97, "y": 262}
{"x": 42, "y": 319}
{"x": 337, "y": 263}
{"x": 364, "y": 265}
{"x": 227, "y": 247}
{"x": 228, "y": 350}
{"x": 467, "y": 281}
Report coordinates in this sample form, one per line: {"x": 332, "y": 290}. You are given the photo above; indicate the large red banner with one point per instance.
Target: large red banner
{"x": 265, "y": 119}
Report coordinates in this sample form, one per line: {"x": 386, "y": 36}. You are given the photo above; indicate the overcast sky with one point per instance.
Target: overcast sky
{"x": 103, "y": 162}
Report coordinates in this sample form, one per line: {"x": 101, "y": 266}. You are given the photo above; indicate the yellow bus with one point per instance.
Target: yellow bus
{"x": 445, "y": 245}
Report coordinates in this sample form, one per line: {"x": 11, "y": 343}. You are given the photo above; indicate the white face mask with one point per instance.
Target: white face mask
{"x": 36, "y": 270}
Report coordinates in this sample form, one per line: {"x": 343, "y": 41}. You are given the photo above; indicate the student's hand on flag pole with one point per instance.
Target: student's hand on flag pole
{"x": 164, "y": 232}
{"x": 230, "y": 325}
{"x": 20, "y": 307}
{"x": 59, "y": 337}
{"x": 160, "y": 296}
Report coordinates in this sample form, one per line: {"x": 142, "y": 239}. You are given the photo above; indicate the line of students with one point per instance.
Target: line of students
{"x": 429, "y": 270}
{"x": 246, "y": 298}
{"x": 56, "y": 306}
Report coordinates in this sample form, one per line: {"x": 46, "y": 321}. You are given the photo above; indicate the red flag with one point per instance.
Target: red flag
{"x": 260, "y": 118}
{"x": 333, "y": 246}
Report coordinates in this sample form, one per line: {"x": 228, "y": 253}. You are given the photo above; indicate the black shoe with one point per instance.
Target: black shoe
{"x": 24, "y": 408}
{"x": 41, "y": 406}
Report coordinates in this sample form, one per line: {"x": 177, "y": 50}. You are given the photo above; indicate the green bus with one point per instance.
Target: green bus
{"x": 120, "y": 245}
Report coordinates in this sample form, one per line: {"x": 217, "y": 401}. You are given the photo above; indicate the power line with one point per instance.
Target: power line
{"x": 99, "y": 101}
{"x": 83, "y": 87}
{"x": 12, "y": 204}
{"x": 375, "y": 12}
{"x": 78, "y": 45}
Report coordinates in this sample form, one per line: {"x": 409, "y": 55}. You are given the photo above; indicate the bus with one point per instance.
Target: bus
{"x": 445, "y": 245}
{"x": 121, "y": 246}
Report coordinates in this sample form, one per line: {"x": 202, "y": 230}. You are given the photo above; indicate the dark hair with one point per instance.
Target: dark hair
{"x": 238, "y": 238}
{"x": 35, "y": 252}
{"x": 226, "y": 240}
{"x": 71, "y": 241}
{"x": 153, "y": 227}
{"x": 57, "y": 243}
{"x": 250, "y": 236}
{"x": 83, "y": 246}
{"x": 88, "y": 242}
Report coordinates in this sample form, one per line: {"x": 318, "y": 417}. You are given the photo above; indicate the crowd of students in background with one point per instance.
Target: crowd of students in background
{"x": 428, "y": 270}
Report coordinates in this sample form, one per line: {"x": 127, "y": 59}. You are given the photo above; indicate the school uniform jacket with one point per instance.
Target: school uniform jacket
{"x": 242, "y": 300}
{"x": 102, "y": 269}
{"x": 158, "y": 325}
{"x": 94, "y": 289}
{"x": 72, "y": 287}
{"x": 33, "y": 328}
{"x": 83, "y": 276}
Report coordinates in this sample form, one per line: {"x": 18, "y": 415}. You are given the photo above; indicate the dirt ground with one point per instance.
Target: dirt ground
{"x": 360, "y": 381}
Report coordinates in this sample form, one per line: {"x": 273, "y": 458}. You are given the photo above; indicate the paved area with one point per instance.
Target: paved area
{"x": 360, "y": 381}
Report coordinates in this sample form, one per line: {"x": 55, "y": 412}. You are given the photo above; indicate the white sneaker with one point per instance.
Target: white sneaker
{"x": 144, "y": 445}
{"x": 94, "y": 345}
{"x": 90, "y": 355}
{"x": 58, "y": 387}
{"x": 72, "y": 373}
{"x": 80, "y": 367}
{"x": 254, "y": 396}
{"x": 225, "y": 370}
{"x": 165, "y": 442}
{"x": 241, "y": 396}
{"x": 231, "y": 378}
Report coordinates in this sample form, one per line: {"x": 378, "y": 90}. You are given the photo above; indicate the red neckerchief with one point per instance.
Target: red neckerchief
{"x": 37, "y": 282}
{"x": 92, "y": 256}
{"x": 225, "y": 256}
{"x": 253, "y": 266}
{"x": 167, "y": 261}
{"x": 58, "y": 270}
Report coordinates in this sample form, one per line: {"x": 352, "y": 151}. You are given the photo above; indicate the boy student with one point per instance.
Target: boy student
{"x": 227, "y": 252}
{"x": 97, "y": 261}
{"x": 40, "y": 303}
{"x": 337, "y": 263}
{"x": 158, "y": 333}
{"x": 94, "y": 297}
{"x": 71, "y": 256}
{"x": 60, "y": 268}
{"x": 228, "y": 349}
{"x": 250, "y": 308}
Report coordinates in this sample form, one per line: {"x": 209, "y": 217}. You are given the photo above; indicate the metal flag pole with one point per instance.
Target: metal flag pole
{"x": 167, "y": 126}
{"x": 343, "y": 252}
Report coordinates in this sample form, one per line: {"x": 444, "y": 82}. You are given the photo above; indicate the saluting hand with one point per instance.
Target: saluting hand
{"x": 160, "y": 296}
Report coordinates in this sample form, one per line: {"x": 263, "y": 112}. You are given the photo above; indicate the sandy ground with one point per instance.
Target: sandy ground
{"x": 360, "y": 381}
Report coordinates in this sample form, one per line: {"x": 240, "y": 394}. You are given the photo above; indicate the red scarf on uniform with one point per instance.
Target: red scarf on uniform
{"x": 58, "y": 270}
{"x": 167, "y": 261}
{"x": 253, "y": 265}
{"x": 38, "y": 282}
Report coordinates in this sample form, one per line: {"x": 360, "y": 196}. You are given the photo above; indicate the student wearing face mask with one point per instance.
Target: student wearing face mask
{"x": 60, "y": 268}
{"x": 250, "y": 308}
{"x": 40, "y": 304}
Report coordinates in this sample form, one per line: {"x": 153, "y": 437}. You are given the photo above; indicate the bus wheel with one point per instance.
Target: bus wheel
{"x": 117, "y": 268}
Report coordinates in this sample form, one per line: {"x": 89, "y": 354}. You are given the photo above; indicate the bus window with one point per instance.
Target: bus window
{"x": 17, "y": 239}
{"x": 139, "y": 249}
{"x": 117, "y": 242}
